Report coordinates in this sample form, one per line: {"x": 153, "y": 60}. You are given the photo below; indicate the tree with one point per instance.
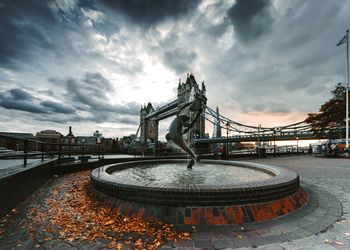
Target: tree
{"x": 331, "y": 117}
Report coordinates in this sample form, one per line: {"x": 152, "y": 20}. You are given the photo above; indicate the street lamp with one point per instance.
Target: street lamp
{"x": 227, "y": 125}
{"x": 98, "y": 141}
{"x": 297, "y": 145}
{"x": 258, "y": 147}
{"x": 274, "y": 143}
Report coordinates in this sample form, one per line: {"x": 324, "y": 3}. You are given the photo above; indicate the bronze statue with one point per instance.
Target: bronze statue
{"x": 182, "y": 124}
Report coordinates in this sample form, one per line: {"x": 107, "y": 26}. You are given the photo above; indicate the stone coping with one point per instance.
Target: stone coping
{"x": 206, "y": 215}
{"x": 284, "y": 183}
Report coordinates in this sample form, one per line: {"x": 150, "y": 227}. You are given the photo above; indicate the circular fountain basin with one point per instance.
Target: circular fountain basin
{"x": 209, "y": 183}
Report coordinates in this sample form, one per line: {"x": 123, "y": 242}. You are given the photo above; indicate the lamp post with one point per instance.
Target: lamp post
{"x": 297, "y": 145}
{"x": 227, "y": 125}
{"x": 274, "y": 144}
{"x": 98, "y": 141}
{"x": 258, "y": 148}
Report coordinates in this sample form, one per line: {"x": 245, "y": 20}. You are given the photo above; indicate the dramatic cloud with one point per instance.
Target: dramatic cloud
{"x": 90, "y": 94}
{"x": 20, "y": 94}
{"x": 180, "y": 60}
{"x": 22, "y": 30}
{"x": 57, "y": 107}
{"x": 250, "y": 18}
{"x": 18, "y": 99}
{"x": 93, "y": 64}
{"x": 149, "y": 12}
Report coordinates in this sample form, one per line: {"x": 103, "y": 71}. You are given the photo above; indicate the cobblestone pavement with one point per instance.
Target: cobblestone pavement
{"x": 314, "y": 227}
{"x": 332, "y": 175}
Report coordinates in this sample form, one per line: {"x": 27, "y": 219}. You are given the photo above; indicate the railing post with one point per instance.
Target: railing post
{"x": 274, "y": 145}
{"x": 25, "y": 144}
{"x": 42, "y": 151}
{"x": 59, "y": 155}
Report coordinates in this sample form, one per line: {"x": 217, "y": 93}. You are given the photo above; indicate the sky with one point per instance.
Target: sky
{"x": 92, "y": 64}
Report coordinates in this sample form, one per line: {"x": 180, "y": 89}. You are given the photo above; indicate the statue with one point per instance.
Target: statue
{"x": 182, "y": 124}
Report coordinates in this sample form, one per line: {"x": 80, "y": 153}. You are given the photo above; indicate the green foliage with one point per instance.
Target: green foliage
{"x": 331, "y": 116}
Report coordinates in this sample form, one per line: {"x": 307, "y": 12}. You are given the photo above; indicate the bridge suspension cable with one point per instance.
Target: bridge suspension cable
{"x": 248, "y": 129}
{"x": 137, "y": 132}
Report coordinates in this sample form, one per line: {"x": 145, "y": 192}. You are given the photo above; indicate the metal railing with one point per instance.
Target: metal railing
{"x": 12, "y": 147}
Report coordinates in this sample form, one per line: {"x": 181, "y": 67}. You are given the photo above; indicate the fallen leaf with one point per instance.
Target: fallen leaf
{"x": 110, "y": 222}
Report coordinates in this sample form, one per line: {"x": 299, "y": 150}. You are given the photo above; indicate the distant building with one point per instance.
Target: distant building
{"x": 50, "y": 137}
{"x": 86, "y": 140}
{"x": 17, "y": 145}
{"x": 98, "y": 136}
{"x": 70, "y": 138}
{"x": 24, "y": 136}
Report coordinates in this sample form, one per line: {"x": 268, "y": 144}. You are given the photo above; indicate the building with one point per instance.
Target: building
{"x": 14, "y": 141}
{"x": 51, "y": 137}
{"x": 86, "y": 140}
{"x": 70, "y": 138}
{"x": 98, "y": 136}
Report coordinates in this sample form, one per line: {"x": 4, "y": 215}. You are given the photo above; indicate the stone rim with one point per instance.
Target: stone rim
{"x": 283, "y": 184}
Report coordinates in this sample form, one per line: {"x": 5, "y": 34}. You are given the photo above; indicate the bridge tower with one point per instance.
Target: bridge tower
{"x": 183, "y": 95}
{"x": 149, "y": 127}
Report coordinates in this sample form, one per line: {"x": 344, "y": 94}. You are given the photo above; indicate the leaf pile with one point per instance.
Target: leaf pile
{"x": 74, "y": 216}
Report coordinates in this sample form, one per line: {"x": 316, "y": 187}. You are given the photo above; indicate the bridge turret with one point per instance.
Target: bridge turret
{"x": 149, "y": 127}
{"x": 183, "y": 95}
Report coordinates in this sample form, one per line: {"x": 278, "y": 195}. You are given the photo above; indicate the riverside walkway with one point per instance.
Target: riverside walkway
{"x": 322, "y": 224}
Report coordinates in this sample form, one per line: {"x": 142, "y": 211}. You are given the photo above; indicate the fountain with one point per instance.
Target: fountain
{"x": 206, "y": 192}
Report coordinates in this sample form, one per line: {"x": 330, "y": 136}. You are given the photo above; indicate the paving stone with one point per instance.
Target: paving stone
{"x": 326, "y": 180}
{"x": 223, "y": 244}
{"x": 205, "y": 243}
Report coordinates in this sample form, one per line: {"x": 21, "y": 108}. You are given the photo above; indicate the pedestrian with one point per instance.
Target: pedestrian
{"x": 310, "y": 149}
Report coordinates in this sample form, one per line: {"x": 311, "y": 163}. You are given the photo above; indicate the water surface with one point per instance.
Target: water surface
{"x": 177, "y": 173}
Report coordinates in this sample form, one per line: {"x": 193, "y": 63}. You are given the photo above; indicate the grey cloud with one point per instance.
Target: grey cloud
{"x": 20, "y": 94}
{"x": 127, "y": 120}
{"x": 19, "y": 99}
{"x": 58, "y": 107}
{"x": 150, "y": 12}
{"x": 22, "y": 30}
{"x": 89, "y": 94}
{"x": 36, "y": 28}
{"x": 179, "y": 60}
{"x": 22, "y": 106}
{"x": 250, "y": 18}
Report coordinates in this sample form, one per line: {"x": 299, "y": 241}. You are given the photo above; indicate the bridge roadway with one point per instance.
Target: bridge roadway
{"x": 164, "y": 112}
{"x": 282, "y": 136}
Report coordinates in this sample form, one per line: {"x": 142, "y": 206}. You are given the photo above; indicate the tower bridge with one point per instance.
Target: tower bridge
{"x": 150, "y": 117}
{"x": 235, "y": 131}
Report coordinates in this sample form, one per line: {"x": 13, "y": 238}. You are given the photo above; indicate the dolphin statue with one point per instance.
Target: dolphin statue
{"x": 196, "y": 103}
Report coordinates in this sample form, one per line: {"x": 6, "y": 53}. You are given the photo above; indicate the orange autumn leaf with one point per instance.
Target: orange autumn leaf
{"x": 76, "y": 215}
{"x": 110, "y": 222}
